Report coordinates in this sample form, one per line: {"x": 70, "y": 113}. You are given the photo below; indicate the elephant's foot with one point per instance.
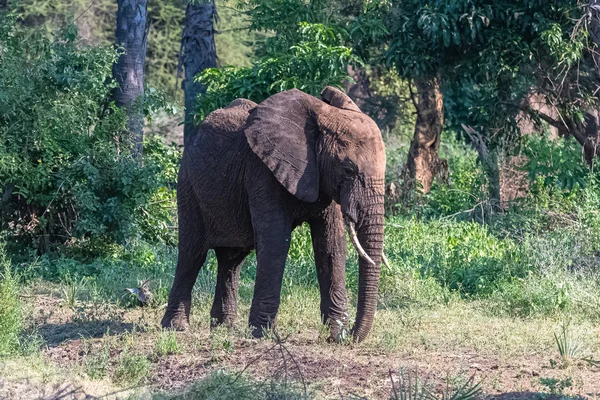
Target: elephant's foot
{"x": 178, "y": 319}
{"x": 258, "y": 332}
{"x": 338, "y": 332}
{"x": 222, "y": 320}
{"x": 259, "y": 329}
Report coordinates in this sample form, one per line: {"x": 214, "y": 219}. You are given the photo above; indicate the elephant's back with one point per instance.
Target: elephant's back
{"x": 221, "y": 131}
{"x": 215, "y": 167}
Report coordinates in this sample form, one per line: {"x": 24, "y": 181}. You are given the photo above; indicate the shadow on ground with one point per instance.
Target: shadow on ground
{"x": 55, "y": 334}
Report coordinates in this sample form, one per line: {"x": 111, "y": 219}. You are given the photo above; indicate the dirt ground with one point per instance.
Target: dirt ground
{"x": 327, "y": 370}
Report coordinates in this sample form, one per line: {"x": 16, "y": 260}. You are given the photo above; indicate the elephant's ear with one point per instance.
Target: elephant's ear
{"x": 339, "y": 99}
{"x": 283, "y": 134}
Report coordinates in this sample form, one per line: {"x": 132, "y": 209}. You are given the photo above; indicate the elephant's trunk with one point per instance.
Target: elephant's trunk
{"x": 370, "y": 238}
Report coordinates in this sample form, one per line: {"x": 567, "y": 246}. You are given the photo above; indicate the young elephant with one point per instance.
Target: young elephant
{"x": 255, "y": 172}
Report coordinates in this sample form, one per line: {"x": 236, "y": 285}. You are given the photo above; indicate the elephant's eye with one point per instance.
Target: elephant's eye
{"x": 350, "y": 169}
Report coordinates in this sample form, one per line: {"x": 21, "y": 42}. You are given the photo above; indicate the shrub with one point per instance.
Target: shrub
{"x": 65, "y": 165}
{"x": 555, "y": 163}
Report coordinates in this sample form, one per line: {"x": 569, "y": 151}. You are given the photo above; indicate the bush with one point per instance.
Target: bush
{"x": 554, "y": 163}
{"x": 466, "y": 187}
{"x": 65, "y": 165}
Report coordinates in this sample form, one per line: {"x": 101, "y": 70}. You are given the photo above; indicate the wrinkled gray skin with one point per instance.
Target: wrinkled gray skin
{"x": 255, "y": 172}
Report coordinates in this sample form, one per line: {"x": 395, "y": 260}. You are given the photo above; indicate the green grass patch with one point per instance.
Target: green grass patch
{"x": 11, "y": 315}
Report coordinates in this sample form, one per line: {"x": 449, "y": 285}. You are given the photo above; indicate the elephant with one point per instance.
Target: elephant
{"x": 254, "y": 172}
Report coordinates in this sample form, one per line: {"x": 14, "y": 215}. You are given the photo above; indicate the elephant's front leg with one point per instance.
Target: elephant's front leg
{"x": 272, "y": 233}
{"x": 329, "y": 244}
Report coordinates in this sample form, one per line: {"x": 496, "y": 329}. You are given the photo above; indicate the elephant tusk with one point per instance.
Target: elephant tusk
{"x": 359, "y": 249}
{"x": 385, "y": 261}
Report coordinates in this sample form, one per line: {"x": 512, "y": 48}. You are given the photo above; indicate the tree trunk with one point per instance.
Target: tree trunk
{"x": 131, "y": 34}
{"x": 590, "y": 140}
{"x": 423, "y": 163}
{"x": 199, "y": 53}
{"x": 489, "y": 161}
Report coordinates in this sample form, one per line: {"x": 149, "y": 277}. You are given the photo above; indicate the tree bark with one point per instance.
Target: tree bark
{"x": 423, "y": 162}
{"x": 199, "y": 53}
{"x": 489, "y": 161}
{"x": 131, "y": 34}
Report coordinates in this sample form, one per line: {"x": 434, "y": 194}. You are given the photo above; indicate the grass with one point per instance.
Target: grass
{"x": 167, "y": 344}
{"x": 223, "y": 385}
{"x": 460, "y": 296}
{"x": 11, "y": 313}
{"x": 131, "y": 368}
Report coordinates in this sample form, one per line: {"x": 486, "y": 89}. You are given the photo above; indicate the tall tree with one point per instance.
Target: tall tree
{"x": 198, "y": 53}
{"x": 128, "y": 71}
{"x": 426, "y": 42}
{"x": 423, "y": 162}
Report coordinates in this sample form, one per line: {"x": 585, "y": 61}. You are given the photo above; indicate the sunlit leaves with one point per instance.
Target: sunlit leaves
{"x": 317, "y": 60}
{"x": 566, "y": 49}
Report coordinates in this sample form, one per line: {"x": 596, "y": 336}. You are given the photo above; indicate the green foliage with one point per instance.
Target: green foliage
{"x": 461, "y": 256}
{"x": 282, "y": 17}
{"x": 465, "y": 190}
{"x": 11, "y": 313}
{"x": 65, "y": 164}
{"x": 96, "y": 23}
{"x": 318, "y": 59}
{"x": 554, "y": 163}
{"x": 489, "y": 55}
{"x": 557, "y": 386}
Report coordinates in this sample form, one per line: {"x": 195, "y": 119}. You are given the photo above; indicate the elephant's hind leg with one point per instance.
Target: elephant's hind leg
{"x": 224, "y": 308}
{"x": 193, "y": 248}
{"x": 177, "y": 315}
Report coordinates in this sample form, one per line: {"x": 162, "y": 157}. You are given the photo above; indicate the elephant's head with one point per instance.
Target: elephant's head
{"x": 329, "y": 146}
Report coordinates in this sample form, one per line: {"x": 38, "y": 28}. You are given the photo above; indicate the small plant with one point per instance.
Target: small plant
{"x": 30, "y": 342}
{"x": 220, "y": 343}
{"x": 71, "y": 290}
{"x": 166, "y": 344}
{"x": 467, "y": 391}
{"x": 389, "y": 340}
{"x": 131, "y": 368}
{"x": 222, "y": 385}
{"x": 410, "y": 318}
{"x": 568, "y": 347}
{"x": 556, "y": 386}
{"x": 411, "y": 387}
{"x": 96, "y": 364}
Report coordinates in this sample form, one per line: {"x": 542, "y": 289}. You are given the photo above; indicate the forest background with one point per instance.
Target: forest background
{"x": 489, "y": 111}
